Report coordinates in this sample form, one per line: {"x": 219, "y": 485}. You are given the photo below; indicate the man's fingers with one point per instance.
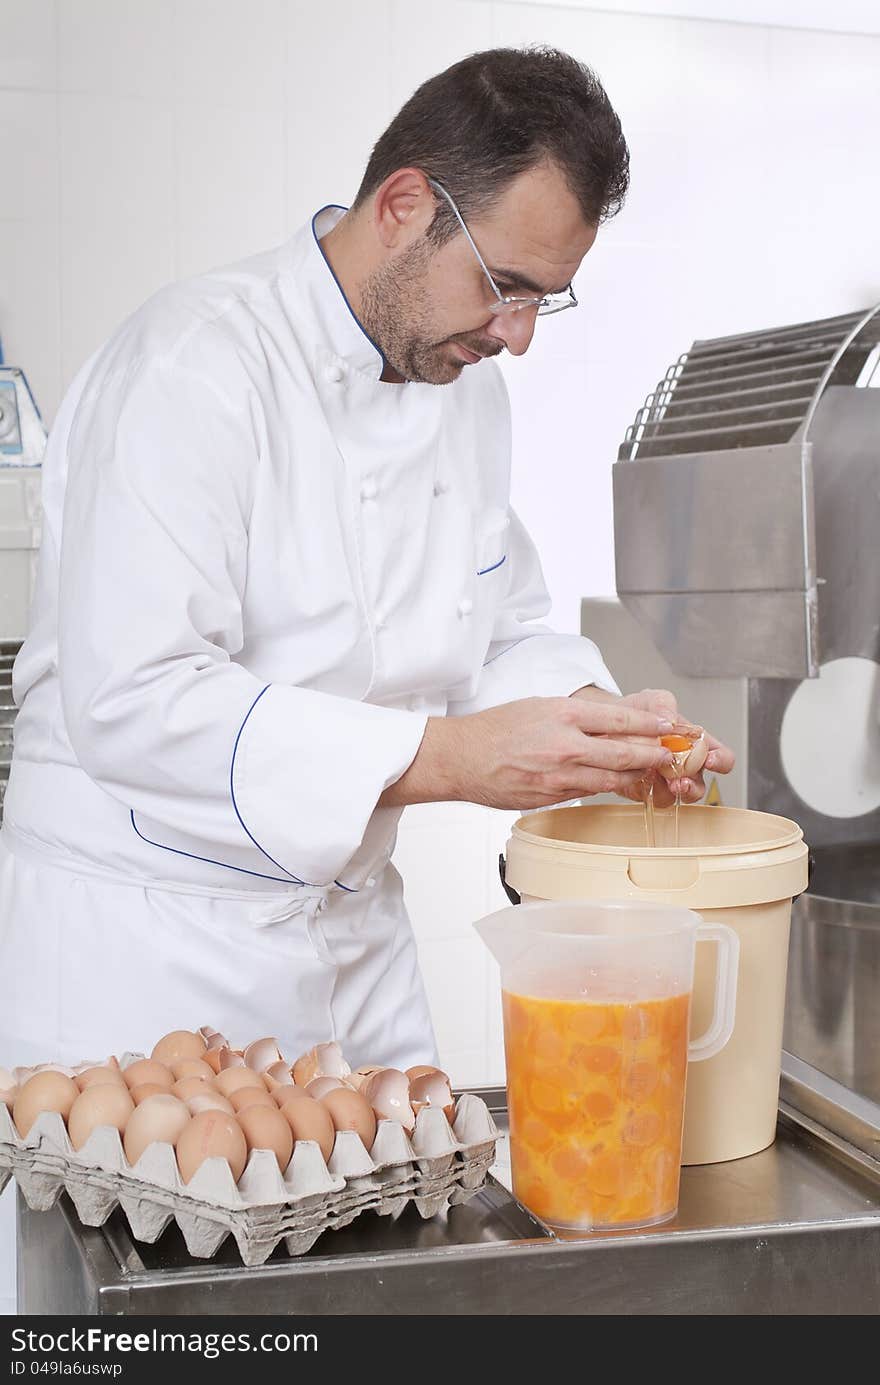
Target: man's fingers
{"x": 606, "y": 753}
{"x": 616, "y": 719}
{"x": 720, "y": 759}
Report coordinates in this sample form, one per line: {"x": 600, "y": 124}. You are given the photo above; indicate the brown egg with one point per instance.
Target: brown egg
{"x": 350, "y": 1111}
{"x": 146, "y": 1070}
{"x": 185, "y": 1087}
{"x": 264, "y": 1127}
{"x": 104, "y": 1103}
{"x": 432, "y": 1089}
{"x": 159, "y": 1118}
{"x": 212, "y": 1058}
{"x": 243, "y": 1097}
{"x": 181, "y": 1043}
{"x": 145, "y": 1089}
{"x": 213, "y": 1038}
{"x": 324, "y": 1060}
{"x": 388, "y": 1094}
{"x": 209, "y": 1101}
{"x": 230, "y": 1079}
{"x": 211, "y": 1135}
{"x": 192, "y": 1067}
{"x": 7, "y": 1096}
{"x": 310, "y": 1120}
{"x": 99, "y": 1076}
{"x": 320, "y": 1086}
{"x": 281, "y": 1095}
{"x": 357, "y": 1078}
{"x": 45, "y": 1091}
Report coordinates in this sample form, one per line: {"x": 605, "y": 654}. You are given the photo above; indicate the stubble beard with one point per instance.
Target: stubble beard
{"x": 394, "y": 312}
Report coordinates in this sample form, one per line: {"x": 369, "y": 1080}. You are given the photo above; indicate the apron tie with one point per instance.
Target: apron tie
{"x": 306, "y": 900}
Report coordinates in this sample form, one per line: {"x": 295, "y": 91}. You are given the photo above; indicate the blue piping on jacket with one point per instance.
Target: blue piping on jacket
{"x": 363, "y": 330}
{"x": 288, "y": 876}
{"x": 483, "y": 570}
{"x": 506, "y": 650}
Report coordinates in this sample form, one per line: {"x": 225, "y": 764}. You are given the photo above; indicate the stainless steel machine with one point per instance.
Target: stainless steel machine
{"x": 747, "y": 515}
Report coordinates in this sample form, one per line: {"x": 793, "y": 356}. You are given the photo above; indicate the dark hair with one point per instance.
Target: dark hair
{"x": 496, "y": 114}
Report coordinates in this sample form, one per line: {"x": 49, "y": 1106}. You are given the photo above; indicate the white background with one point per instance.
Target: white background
{"x": 143, "y": 140}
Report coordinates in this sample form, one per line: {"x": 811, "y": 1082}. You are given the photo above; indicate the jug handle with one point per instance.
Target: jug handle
{"x": 508, "y": 889}
{"x": 726, "y": 976}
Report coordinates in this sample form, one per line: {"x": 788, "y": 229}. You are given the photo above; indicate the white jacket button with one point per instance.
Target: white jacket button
{"x": 369, "y": 488}
{"x": 333, "y": 373}
{"x": 441, "y": 486}
{"x": 465, "y": 606}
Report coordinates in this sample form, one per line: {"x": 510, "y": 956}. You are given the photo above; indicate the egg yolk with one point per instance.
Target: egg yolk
{"x": 676, "y": 743}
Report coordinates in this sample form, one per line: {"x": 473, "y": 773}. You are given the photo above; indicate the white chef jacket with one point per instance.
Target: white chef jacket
{"x": 262, "y": 570}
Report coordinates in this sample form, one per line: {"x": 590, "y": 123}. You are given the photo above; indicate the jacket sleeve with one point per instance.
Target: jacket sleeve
{"x": 163, "y": 466}
{"x": 526, "y": 658}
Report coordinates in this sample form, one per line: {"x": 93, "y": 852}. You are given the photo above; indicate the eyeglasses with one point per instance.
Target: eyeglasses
{"x": 509, "y": 303}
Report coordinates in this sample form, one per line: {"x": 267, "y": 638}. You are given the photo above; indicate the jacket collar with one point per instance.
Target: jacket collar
{"x": 335, "y": 318}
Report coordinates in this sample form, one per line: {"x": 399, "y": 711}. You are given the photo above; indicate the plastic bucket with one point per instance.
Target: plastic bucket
{"x": 732, "y": 866}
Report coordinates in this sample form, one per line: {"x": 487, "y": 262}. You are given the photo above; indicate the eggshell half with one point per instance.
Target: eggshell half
{"x": 388, "y": 1094}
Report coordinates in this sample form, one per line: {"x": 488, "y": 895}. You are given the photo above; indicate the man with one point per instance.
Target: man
{"x": 282, "y": 595}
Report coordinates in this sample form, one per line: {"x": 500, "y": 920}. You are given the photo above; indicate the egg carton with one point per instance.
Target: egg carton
{"x": 436, "y": 1165}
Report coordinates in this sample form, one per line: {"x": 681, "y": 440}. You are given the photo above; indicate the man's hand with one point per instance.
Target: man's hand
{"x": 536, "y": 752}
{"x": 720, "y": 759}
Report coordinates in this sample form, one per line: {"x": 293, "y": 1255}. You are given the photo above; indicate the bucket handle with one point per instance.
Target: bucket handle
{"x": 508, "y": 889}
{"x": 726, "y": 976}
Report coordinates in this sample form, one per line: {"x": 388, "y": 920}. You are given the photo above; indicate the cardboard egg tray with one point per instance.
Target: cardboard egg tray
{"x": 437, "y": 1164}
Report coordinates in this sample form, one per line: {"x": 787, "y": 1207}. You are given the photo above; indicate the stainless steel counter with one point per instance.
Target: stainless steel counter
{"x": 792, "y": 1230}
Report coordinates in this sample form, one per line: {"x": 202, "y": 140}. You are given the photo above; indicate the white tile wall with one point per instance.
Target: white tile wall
{"x": 145, "y": 139}
{"x": 28, "y": 53}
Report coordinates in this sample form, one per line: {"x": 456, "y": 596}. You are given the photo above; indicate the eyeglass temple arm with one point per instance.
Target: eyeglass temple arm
{"x": 441, "y": 189}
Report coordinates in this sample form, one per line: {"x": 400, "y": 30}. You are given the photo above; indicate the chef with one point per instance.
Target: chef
{"x": 282, "y": 595}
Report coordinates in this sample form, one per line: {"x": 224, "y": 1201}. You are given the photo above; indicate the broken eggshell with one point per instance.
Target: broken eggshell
{"x": 689, "y": 749}
{"x": 432, "y": 1088}
{"x": 387, "y": 1092}
{"x": 231, "y": 1058}
{"x": 324, "y": 1060}
{"x": 262, "y": 1054}
{"x": 358, "y": 1077}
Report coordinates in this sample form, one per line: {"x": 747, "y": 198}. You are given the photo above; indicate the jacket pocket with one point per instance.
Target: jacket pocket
{"x": 491, "y": 546}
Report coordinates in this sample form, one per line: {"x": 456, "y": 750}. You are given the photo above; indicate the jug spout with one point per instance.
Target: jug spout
{"x": 504, "y": 936}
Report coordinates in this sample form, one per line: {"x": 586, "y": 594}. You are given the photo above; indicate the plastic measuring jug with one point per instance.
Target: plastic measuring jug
{"x": 596, "y": 1000}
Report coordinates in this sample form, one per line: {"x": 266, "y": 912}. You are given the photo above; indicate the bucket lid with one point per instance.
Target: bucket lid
{"x": 728, "y": 857}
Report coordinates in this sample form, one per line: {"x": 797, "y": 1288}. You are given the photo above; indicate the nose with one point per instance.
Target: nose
{"x": 515, "y": 329}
